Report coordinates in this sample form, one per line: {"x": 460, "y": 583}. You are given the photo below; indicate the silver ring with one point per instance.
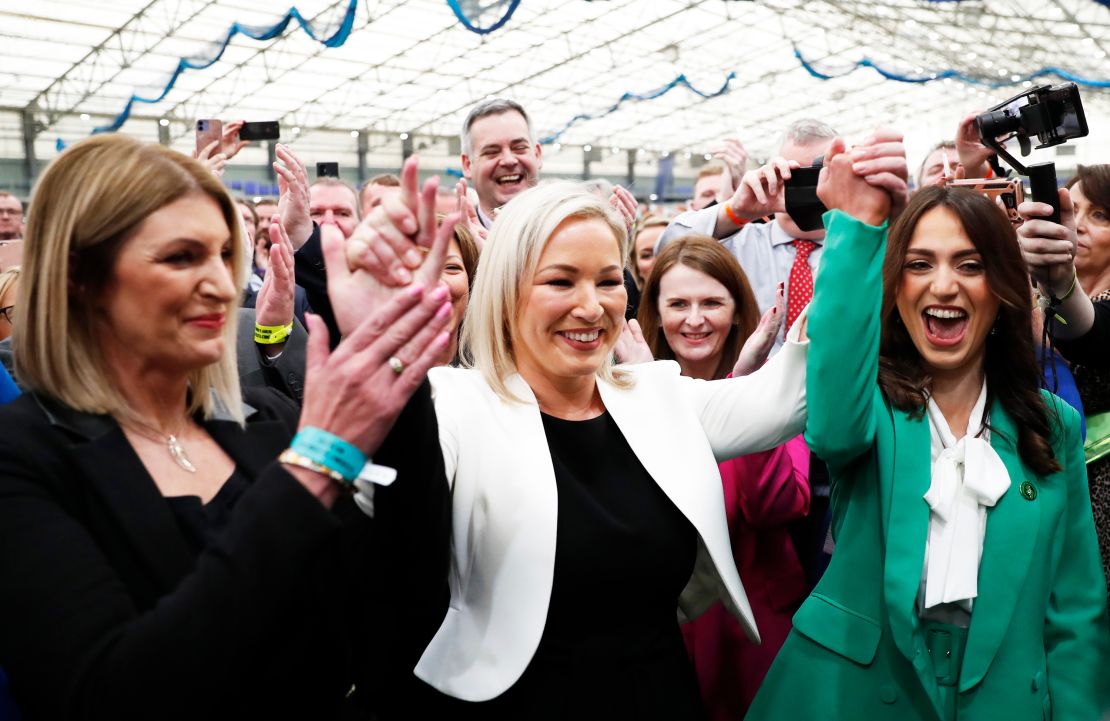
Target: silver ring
{"x": 396, "y": 365}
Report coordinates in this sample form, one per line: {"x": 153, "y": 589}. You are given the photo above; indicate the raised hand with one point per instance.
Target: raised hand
{"x": 230, "y": 145}
{"x": 973, "y": 154}
{"x": 734, "y": 155}
{"x": 274, "y": 305}
{"x": 881, "y": 160}
{"x": 631, "y": 346}
{"x": 841, "y": 187}
{"x": 359, "y": 278}
{"x": 385, "y": 243}
{"x": 625, "y": 203}
{"x": 470, "y": 215}
{"x": 293, "y": 205}
{"x": 762, "y": 191}
{"x": 211, "y": 159}
{"x": 1049, "y": 248}
{"x": 759, "y": 344}
{"x": 358, "y": 390}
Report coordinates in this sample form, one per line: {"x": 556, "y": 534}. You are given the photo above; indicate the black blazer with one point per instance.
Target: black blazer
{"x": 105, "y": 612}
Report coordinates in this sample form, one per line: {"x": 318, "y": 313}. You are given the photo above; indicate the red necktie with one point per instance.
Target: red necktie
{"x": 801, "y": 281}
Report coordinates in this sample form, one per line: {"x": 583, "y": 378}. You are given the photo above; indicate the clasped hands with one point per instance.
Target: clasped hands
{"x": 879, "y": 162}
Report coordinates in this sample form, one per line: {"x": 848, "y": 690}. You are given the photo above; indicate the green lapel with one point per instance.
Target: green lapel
{"x": 906, "y": 531}
{"x": 1012, "y": 527}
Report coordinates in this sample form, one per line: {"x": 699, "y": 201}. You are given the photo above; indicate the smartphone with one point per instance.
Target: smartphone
{"x": 802, "y": 204}
{"x": 327, "y": 170}
{"x": 208, "y": 132}
{"x": 1007, "y": 193}
{"x": 260, "y": 130}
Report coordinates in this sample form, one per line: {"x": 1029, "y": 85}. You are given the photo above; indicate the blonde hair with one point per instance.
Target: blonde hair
{"x": 86, "y": 206}
{"x": 508, "y": 262}
{"x": 8, "y": 278}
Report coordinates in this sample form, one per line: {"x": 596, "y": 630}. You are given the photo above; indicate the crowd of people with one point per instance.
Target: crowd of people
{"x": 517, "y": 449}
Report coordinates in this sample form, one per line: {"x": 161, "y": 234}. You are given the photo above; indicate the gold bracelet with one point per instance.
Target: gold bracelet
{"x": 271, "y": 334}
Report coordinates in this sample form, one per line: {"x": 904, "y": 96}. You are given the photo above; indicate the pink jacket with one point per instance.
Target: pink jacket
{"x": 763, "y": 493}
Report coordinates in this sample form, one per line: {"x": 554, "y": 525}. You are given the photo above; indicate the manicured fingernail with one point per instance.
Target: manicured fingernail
{"x": 774, "y": 311}
{"x": 408, "y": 226}
{"x": 402, "y": 275}
{"x": 858, "y": 167}
{"x": 413, "y": 259}
{"x": 443, "y": 339}
{"x": 440, "y": 293}
{"x": 416, "y": 290}
{"x": 444, "y": 311}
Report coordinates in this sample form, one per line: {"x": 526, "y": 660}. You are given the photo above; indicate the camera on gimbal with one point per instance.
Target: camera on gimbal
{"x": 1053, "y": 114}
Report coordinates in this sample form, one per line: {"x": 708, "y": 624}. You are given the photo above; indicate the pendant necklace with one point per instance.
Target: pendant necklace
{"x": 176, "y": 450}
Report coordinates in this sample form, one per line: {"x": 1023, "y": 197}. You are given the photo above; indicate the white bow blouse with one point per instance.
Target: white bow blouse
{"x": 967, "y": 478}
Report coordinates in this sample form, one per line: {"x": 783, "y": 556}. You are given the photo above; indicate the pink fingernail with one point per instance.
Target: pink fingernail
{"x": 402, "y": 276}
{"x": 409, "y": 226}
{"x": 442, "y": 339}
{"x": 413, "y": 259}
{"x": 444, "y": 311}
{"x": 440, "y": 293}
{"x": 416, "y": 290}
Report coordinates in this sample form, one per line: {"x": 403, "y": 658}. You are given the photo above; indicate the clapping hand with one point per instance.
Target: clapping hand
{"x": 470, "y": 215}
{"x": 759, "y": 344}
{"x": 625, "y": 203}
{"x": 732, "y": 153}
{"x": 293, "y": 205}
{"x": 275, "y": 301}
{"x": 631, "y": 346}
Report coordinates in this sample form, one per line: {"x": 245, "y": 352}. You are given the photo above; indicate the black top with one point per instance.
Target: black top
{"x": 200, "y": 523}
{"x": 1092, "y": 348}
{"x": 111, "y": 611}
{"x": 611, "y": 646}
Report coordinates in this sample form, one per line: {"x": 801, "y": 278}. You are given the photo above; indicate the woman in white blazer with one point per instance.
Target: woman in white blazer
{"x": 586, "y": 499}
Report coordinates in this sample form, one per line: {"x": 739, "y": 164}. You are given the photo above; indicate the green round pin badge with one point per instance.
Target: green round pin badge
{"x": 1028, "y": 491}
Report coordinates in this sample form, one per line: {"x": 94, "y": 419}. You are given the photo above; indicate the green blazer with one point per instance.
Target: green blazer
{"x": 1038, "y": 645}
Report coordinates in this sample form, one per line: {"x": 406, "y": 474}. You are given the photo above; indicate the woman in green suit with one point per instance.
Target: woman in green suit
{"x": 966, "y": 581}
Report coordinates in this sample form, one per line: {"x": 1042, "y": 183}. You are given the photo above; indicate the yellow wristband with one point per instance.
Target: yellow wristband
{"x": 292, "y": 458}
{"x": 271, "y": 334}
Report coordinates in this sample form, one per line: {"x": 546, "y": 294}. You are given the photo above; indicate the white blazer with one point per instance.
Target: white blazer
{"x": 505, "y": 501}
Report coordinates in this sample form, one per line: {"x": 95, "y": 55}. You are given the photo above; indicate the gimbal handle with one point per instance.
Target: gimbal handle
{"x": 1042, "y": 182}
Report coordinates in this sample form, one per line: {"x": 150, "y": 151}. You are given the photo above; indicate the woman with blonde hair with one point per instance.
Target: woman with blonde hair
{"x": 586, "y": 501}
{"x": 166, "y": 551}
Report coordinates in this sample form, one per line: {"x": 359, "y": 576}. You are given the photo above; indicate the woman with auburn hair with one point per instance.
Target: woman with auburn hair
{"x": 168, "y": 548}
{"x": 966, "y": 581}
{"x": 586, "y": 502}
{"x": 699, "y": 310}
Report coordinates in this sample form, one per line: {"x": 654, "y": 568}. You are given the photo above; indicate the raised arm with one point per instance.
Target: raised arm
{"x": 844, "y": 315}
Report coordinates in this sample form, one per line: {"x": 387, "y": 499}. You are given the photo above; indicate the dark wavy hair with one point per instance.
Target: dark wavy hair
{"x": 1010, "y": 364}
{"x": 710, "y": 257}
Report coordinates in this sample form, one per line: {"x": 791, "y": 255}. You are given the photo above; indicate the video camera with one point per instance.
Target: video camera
{"x": 1054, "y": 114}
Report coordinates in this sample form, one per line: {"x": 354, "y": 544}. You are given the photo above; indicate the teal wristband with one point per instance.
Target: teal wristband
{"x": 329, "y": 450}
